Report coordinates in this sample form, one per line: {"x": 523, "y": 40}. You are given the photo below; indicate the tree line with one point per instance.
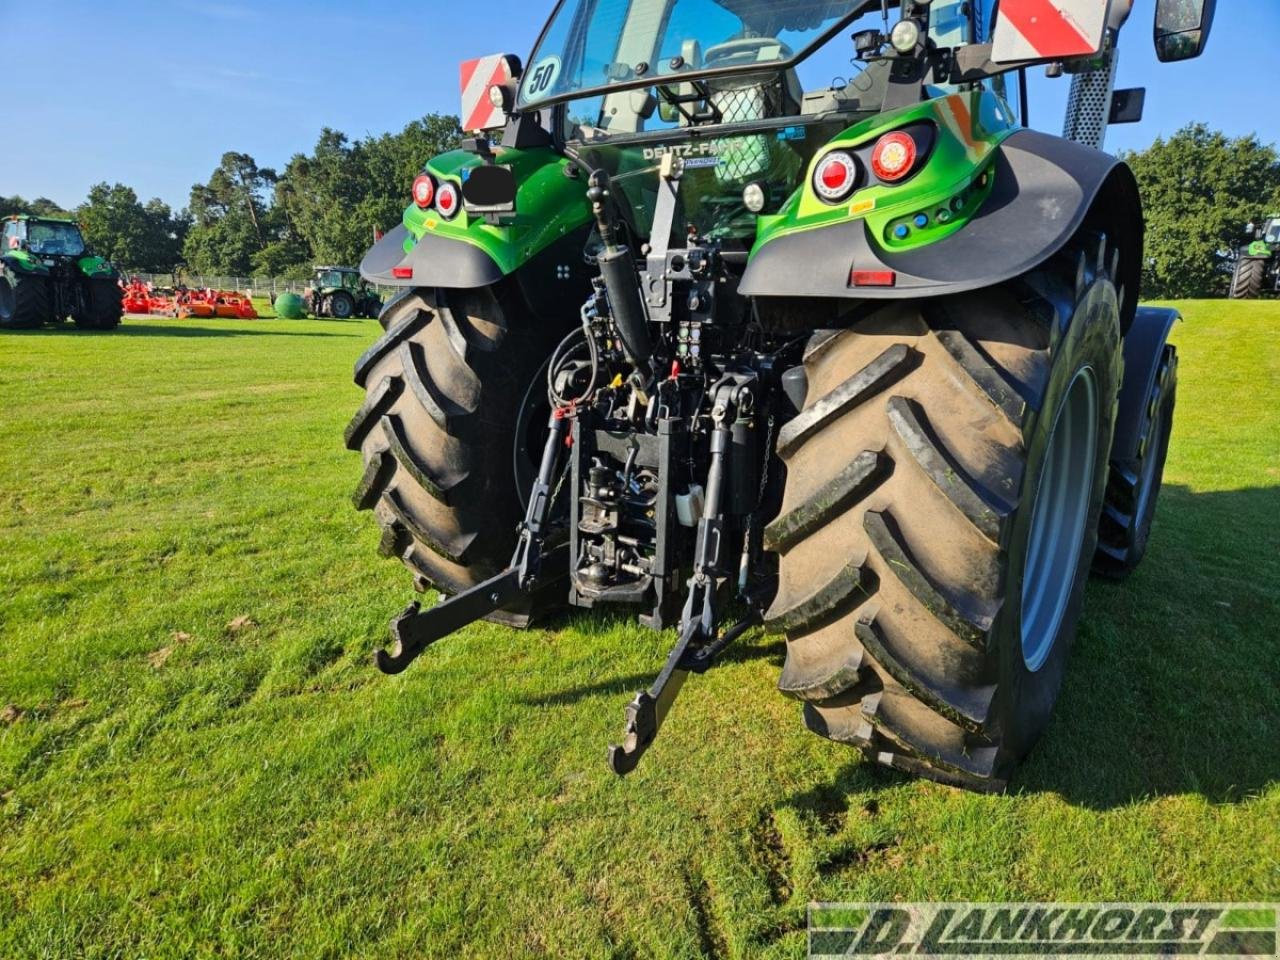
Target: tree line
{"x": 247, "y": 220}
{"x": 1199, "y": 189}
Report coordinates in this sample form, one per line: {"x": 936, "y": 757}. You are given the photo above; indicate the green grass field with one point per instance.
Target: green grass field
{"x": 197, "y": 760}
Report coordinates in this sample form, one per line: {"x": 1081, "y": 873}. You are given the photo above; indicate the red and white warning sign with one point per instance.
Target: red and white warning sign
{"x": 478, "y": 113}
{"x": 1048, "y": 29}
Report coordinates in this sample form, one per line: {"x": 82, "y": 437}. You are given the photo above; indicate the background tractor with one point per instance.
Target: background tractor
{"x": 863, "y": 361}
{"x": 1258, "y": 265}
{"x": 341, "y": 293}
{"x": 49, "y": 274}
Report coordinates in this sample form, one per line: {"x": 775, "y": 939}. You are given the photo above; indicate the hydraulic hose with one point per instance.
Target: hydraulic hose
{"x": 617, "y": 269}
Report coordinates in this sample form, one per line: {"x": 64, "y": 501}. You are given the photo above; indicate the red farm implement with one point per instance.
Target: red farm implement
{"x": 143, "y": 298}
{"x": 227, "y": 304}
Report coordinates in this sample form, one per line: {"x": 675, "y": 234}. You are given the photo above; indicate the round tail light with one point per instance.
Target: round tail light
{"x": 894, "y": 156}
{"x": 836, "y": 176}
{"x": 424, "y": 191}
{"x": 448, "y": 200}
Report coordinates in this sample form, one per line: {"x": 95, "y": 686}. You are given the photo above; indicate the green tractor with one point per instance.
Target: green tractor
{"x": 341, "y": 293}
{"x": 50, "y": 274}
{"x": 1258, "y": 265}
{"x": 862, "y": 362}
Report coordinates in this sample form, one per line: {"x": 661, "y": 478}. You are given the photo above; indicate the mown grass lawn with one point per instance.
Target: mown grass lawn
{"x": 196, "y": 758}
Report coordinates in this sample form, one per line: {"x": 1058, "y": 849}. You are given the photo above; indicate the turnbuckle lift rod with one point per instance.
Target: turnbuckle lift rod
{"x": 416, "y": 629}
{"x": 699, "y": 644}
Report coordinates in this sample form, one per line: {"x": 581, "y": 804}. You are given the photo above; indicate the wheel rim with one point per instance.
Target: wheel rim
{"x": 1058, "y": 519}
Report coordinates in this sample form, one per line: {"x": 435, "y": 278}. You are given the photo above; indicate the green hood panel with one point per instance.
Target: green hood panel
{"x": 25, "y": 261}
{"x": 96, "y": 268}
{"x": 551, "y": 200}
{"x": 22, "y": 261}
{"x": 948, "y": 189}
{"x": 549, "y": 205}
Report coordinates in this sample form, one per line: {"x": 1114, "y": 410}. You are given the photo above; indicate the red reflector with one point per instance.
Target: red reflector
{"x": 873, "y": 278}
{"x": 402, "y": 273}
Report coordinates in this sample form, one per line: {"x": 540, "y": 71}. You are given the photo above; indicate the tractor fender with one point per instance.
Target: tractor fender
{"x": 97, "y": 268}
{"x": 24, "y": 265}
{"x": 430, "y": 262}
{"x": 1143, "y": 347}
{"x": 1045, "y": 188}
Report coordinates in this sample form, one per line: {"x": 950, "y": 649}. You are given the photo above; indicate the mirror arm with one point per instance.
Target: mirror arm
{"x": 973, "y": 62}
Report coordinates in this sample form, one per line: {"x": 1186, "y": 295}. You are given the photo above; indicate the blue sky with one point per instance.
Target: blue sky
{"x": 151, "y": 93}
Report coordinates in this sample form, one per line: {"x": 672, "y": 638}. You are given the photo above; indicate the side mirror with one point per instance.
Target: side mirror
{"x": 1182, "y": 28}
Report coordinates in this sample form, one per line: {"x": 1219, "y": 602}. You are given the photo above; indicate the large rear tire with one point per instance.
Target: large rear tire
{"x": 1134, "y": 488}
{"x": 24, "y": 301}
{"x": 103, "y": 306}
{"x": 944, "y": 483}
{"x": 342, "y": 306}
{"x": 440, "y": 431}
{"x": 1246, "y": 282}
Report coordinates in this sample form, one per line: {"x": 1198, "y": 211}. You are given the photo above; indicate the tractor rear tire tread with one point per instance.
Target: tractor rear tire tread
{"x": 1129, "y": 510}
{"x": 1248, "y": 277}
{"x": 444, "y": 384}
{"x": 895, "y": 652}
{"x": 104, "y": 306}
{"x": 31, "y": 306}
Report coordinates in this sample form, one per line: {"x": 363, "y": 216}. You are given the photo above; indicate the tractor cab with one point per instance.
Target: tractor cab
{"x": 744, "y": 93}
{"x": 1270, "y": 232}
{"x": 44, "y": 238}
{"x": 338, "y": 278}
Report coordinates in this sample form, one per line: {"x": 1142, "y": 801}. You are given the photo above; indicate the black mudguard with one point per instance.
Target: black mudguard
{"x": 433, "y": 262}
{"x": 21, "y": 268}
{"x": 1045, "y": 189}
{"x": 1143, "y": 347}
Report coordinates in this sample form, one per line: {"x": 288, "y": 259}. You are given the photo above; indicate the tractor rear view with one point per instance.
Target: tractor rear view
{"x": 864, "y": 362}
{"x": 339, "y": 292}
{"x": 49, "y": 274}
{"x": 1257, "y": 269}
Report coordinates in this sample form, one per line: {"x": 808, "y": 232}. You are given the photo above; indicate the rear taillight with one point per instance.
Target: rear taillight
{"x": 448, "y": 200}
{"x": 894, "y": 156}
{"x": 424, "y": 191}
{"x": 836, "y": 176}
